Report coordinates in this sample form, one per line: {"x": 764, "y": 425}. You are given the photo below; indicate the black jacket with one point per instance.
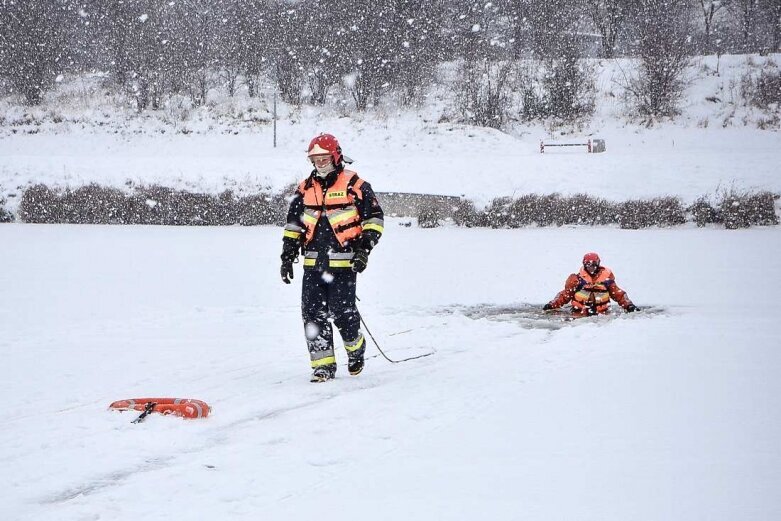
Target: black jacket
{"x": 324, "y": 240}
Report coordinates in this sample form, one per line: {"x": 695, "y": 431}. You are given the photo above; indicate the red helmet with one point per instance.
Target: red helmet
{"x": 325, "y": 144}
{"x": 591, "y": 258}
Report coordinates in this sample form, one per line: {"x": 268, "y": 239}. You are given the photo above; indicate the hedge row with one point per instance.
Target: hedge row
{"x": 5, "y": 215}
{"x": 732, "y": 209}
{"x": 94, "y": 204}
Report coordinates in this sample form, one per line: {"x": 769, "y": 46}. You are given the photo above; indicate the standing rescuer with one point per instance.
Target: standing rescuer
{"x": 591, "y": 289}
{"x": 335, "y": 220}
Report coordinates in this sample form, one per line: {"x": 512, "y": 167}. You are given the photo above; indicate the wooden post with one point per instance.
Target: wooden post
{"x": 275, "y": 119}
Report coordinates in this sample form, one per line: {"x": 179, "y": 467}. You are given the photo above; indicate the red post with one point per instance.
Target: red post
{"x": 542, "y": 147}
{"x": 589, "y": 145}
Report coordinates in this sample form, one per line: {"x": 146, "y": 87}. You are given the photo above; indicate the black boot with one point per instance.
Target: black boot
{"x": 323, "y": 373}
{"x": 355, "y": 361}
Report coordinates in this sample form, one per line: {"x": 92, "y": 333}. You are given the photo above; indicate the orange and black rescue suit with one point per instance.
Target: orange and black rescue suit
{"x": 590, "y": 295}
{"x": 329, "y": 219}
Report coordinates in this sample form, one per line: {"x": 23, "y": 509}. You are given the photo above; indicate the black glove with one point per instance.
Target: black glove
{"x": 547, "y": 307}
{"x": 360, "y": 260}
{"x": 289, "y": 255}
{"x": 631, "y": 307}
{"x": 367, "y": 240}
{"x": 286, "y": 271}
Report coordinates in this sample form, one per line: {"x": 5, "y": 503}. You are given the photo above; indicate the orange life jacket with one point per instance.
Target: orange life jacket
{"x": 338, "y": 203}
{"x": 592, "y": 293}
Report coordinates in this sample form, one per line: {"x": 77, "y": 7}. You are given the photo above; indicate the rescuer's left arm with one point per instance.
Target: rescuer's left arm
{"x": 371, "y": 218}
{"x": 619, "y": 295}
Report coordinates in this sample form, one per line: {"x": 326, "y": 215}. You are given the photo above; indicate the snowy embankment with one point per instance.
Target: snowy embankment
{"x": 409, "y": 156}
{"x": 670, "y": 415}
{"x": 86, "y": 133}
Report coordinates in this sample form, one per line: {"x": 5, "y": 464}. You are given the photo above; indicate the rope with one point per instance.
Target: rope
{"x": 378, "y": 345}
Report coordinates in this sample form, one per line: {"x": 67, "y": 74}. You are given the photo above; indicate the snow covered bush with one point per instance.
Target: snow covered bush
{"x": 5, "y": 215}
{"x": 498, "y": 212}
{"x": 549, "y": 210}
{"x": 569, "y": 87}
{"x": 703, "y": 212}
{"x": 94, "y": 204}
{"x": 465, "y": 214}
{"x": 258, "y": 209}
{"x": 585, "y": 209}
{"x": 177, "y": 109}
{"x": 764, "y": 90}
{"x": 429, "y": 216}
{"x": 226, "y": 209}
{"x": 528, "y": 86}
{"x": 160, "y": 205}
{"x": 744, "y": 209}
{"x": 524, "y": 211}
{"x": 483, "y": 92}
{"x": 39, "y": 204}
{"x": 177, "y": 207}
{"x": 662, "y": 211}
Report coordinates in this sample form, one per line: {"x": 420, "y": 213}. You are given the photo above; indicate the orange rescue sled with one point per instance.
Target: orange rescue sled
{"x": 183, "y": 407}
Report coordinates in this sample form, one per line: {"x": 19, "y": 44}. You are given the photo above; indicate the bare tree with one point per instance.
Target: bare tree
{"x": 482, "y": 29}
{"x": 710, "y": 9}
{"x": 663, "y": 28}
{"x": 538, "y": 26}
{"x": 372, "y": 44}
{"x": 417, "y": 44}
{"x": 746, "y": 13}
{"x": 254, "y": 39}
{"x": 608, "y": 16}
{"x": 287, "y": 50}
{"x": 33, "y": 44}
{"x": 771, "y": 11}
{"x": 568, "y": 83}
{"x": 325, "y": 52}
{"x": 137, "y": 37}
{"x": 195, "y": 33}
{"x": 229, "y": 39}
{"x": 484, "y": 92}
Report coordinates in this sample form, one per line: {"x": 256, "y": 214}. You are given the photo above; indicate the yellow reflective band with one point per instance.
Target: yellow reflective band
{"x": 337, "y": 218}
{"x": 324, "y": 361}
{"x": 310, "y": 219}
{"x": 309, "y": 262}
{"x": 372, "y": 226}
{"x": 355, "y": 347}
{"x": 340, "y": 263}
{"x": 292, "y": 235}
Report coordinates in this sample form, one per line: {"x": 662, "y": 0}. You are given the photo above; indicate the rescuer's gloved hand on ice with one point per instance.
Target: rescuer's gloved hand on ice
{"x": 547, "y": 307}
{"x": 360, "y": 260}
{"x": 631, "y": 307}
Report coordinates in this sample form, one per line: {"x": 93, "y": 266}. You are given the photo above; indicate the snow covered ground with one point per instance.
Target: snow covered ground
{"x": 667, "y": 415}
